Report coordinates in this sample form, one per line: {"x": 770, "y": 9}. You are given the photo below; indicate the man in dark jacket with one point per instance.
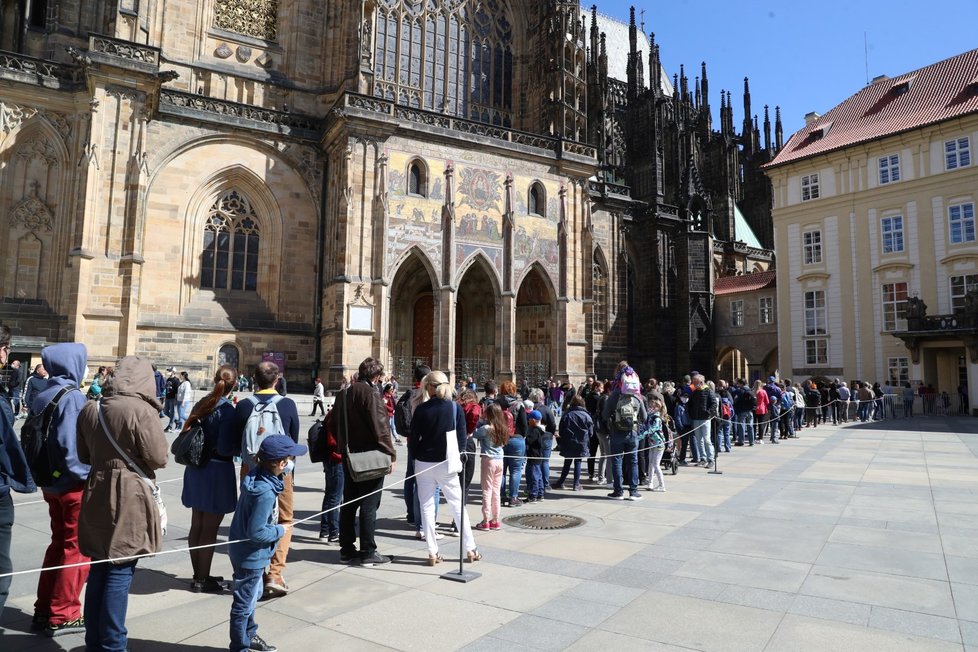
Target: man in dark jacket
{"x": 403, "y": 412}
{"x": 266, "y": 375}
{"x": 14, "y": 474}
{"x": 700, "y": 413}
{"x": 774, "y": 407}
{"x": 37, "y": 382}
{"x": 58, "y": 606}
{"x": 367, "y": 428}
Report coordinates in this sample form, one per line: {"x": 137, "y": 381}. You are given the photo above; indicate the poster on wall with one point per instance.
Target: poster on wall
{"x": 275, "y": 356}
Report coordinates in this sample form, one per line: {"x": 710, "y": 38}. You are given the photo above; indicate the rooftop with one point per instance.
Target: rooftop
{"x": 745, "y": 283}
{"x": 938, "y": 92}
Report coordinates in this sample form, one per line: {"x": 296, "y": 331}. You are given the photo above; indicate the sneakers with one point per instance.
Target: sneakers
{"x": 419, "y": 535}
{"x": 39, "y": 623}
{"x": 333, "y": 538}
{"x": 375, "y": 559}
{"x": 634, "y": 496}
{"x": 67, "y": 627}
{"x": 578, "y": 487}
{"x": 484, "y": 526}
{"x": 558, "y": 487}
{"x": 275, "y": 589}
{"x": 348, "y": 558}
{"x": 515, "y": 502}
{"x": 659, "y": 489}
{"x": 531, "y": 499}
{"x": 616, "y": 496}
{"x": 647, "y": 486}
{"x": 494, "y": 525}
{"x": 258, "y": 644}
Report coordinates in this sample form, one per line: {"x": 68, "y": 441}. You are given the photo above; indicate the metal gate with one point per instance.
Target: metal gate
{"x": 535, "y": 372}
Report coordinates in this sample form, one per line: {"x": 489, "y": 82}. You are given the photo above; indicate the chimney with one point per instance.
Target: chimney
{"x": 811, "y": 117}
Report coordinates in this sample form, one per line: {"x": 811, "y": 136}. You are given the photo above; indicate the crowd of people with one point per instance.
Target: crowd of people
{"x": 614, "y": 434}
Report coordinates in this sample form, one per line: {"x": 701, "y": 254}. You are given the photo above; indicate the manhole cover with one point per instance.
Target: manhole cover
{"x": 544, "y": 521}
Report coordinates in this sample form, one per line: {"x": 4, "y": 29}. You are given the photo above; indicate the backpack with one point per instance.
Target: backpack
{"x": 316, "y": 440}
{"x": 787, "y": 400}
{"x": 725, "y": 410}
{"x": 264, "y": 420}
{"x": 516, "y": 410}
{"x": 753, "y": 400}
{"x": 625, "y": 416}
{"x": 45, "y": 457}
{"x": 630, "y": 384}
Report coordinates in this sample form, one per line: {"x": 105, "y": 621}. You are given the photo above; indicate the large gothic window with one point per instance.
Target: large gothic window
{"x": 599, "y": 293}
{"x": 258, "y": 18}
{"x": 449, "y": 56}
{"x": 230, "y": 253}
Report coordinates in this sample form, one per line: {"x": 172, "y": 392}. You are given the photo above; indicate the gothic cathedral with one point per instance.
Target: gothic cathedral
{"x": 501, "y": 189}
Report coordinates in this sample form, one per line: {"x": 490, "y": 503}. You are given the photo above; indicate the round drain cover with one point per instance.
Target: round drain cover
{"x": 544, "y": 521}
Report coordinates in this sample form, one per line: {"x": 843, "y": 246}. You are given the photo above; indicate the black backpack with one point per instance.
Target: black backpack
{"x": 403, "y": 412}
{"x": 316, "y": 439}
{"x": 45, "y": 458}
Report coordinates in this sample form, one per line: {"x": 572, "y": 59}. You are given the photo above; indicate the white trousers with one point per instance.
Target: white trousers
{"x": 430, "y": 475}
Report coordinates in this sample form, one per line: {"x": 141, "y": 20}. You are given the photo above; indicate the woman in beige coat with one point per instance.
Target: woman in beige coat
{"x": 119, "y": 517}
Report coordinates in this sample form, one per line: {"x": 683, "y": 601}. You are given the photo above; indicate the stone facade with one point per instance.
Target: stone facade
{"x": 331, "y": 181}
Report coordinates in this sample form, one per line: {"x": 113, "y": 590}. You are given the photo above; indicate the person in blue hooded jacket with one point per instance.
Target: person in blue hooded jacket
{"x": 256, "y": 530}
{"x": 14, "y": 473}
{"x": 58, "y": 606}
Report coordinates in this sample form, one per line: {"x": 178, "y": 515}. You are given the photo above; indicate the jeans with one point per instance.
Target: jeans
{"x": 6, "y": 532}
{"x": 701, "y": 430}
{"x": 908, "y": 407}
{"x": 787, "y": 424}
{"x": 744, "y": 427}
{"x": 534, "y": 478}
{"x": 247, "y": 589}
{"x": 170, "y": 410}
{"x": 548, "y": 448}
{"x": 624, "y": 461}
{"x": 724, "y": 435}
{"x": 59, "y": 591}
{"x": 773, "y": 414}
{"x": 106, "y": 603}
{"x": 329, "y": 523}
{"x": 367, "y": 508}
{"x": 566, "y": 470}
{"x": 798, "y": 415}
{"x": 864, "y": 410}
{"x": 515, "y": 452}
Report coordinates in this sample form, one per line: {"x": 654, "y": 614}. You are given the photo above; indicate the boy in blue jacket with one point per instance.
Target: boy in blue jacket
{"x": 256, "y": 525}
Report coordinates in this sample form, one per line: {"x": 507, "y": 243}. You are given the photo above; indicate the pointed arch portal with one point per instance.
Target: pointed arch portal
{"x": 412, "y": 318}
{"x": 536, "y": 321}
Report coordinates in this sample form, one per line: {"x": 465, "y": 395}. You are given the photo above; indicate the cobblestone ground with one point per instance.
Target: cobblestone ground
{"x": 856, "y": 537}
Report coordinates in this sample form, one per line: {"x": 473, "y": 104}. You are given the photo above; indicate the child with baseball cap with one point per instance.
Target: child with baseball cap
{"x": 256, "y": 526}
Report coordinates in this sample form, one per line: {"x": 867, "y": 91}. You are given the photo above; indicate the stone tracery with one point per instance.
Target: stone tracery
{"x": 257, "y": 18}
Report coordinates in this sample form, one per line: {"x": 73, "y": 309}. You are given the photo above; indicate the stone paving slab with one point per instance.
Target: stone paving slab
{"x": 859, "y": 537}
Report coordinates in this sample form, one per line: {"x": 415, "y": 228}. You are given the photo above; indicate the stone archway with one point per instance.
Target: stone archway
{"x": 732, "y": 364}
{"x": 412, "y": 318}
{"x": 476, "y": 324}
{"x": 536, "y": 323}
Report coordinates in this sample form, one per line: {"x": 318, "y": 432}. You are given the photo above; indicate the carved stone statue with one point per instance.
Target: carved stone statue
{"x": 916, "y": 309}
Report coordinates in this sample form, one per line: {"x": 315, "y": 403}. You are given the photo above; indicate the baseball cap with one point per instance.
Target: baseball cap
{"x": 171, "y": 368}
{"x": 277, "y": 447}
{"x": 771, "y": 379}
{"x": 534, "y": 414}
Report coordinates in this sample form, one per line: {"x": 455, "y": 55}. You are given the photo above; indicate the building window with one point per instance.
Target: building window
{"x": 899, "y": 370}
{"x": 957, "y": 153}
{"x": 889, "y": 169}
{"x": 960, "y": 286}
{"x": 228, "y": 355}
{"x": 961, "y": 218}
{"x": 892, "y": 228}
{"x": 895, "y": 307}
{"x": 816, "y": 352}
{"x": 815, "y": 319}
{"x": 536, "y": 204}
{"x": 229, "y": 260}
{"x": 599, "y": 292}
{"x": 257, "y": 18}
{"x": 737, "y": 312}
{"x": 767, "y": 310}
{"x": 809, "y": 187}
{"x": 813, "y": 247}
{"x": 417, "y": 180}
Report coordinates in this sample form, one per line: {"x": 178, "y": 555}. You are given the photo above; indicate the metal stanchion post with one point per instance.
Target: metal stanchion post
{"x": 462, "y": 575}
{"x": 716, "y": 454}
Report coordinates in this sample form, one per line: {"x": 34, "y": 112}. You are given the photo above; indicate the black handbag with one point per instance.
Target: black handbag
{"x": 365, "y": 465}
{"x": 190, "y": 447}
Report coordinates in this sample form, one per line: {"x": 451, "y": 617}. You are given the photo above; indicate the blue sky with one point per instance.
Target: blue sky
{"x": 799, "y": 55}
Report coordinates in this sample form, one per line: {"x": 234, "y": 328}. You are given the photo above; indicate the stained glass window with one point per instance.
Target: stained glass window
{"x": 229, "y": 258}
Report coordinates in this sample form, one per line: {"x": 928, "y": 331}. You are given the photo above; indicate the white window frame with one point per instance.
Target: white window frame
{"x": 891, "y": 229}
{"x": 889, "y": 167}
{"x": 901, "y": 365}
{"x": 816, "y": 315}
{"x": 958, "y": 287}
{"x": 817, "y": 352}
{"x": 957, "y": 153}
{"x": 766, "y": 310}
{"x": 893, "y": 300}
{"x": 812, "y": 247}
{"x": 737, "y": 313}
{"x": 961, "y": 215}
{"x": 809, "y": 187}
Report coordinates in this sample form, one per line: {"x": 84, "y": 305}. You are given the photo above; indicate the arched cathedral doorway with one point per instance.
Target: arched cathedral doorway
{"x": 536, "y": 321}
{"x": 475, "y": 324}
{"x": 412, "y": 319}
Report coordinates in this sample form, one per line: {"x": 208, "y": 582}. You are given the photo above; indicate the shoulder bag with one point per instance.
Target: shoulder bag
{"x": 153, "y": 487}
{"x": 363, "y": 465}
{"x": 190, "y": 447}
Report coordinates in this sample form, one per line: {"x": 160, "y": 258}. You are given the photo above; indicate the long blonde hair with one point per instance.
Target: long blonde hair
{"x": 439, "y": 382}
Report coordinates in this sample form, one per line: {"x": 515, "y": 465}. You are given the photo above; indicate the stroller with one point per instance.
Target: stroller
{"x": 669, "y": 460}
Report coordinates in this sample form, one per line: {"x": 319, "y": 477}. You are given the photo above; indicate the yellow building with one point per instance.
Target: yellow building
{"x": 874, "y": 205}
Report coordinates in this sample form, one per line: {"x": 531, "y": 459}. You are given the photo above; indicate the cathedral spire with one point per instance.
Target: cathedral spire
{"x": 603, "y": 59}
{"x": 778, "y": 134}
{"x": 748, "y": 133}
{"x": 767, "y": 131}
{"x": 633, "y": 63}
{"x": 594, "y": 36}
{"x": 705, "y": 86}
{"x": 699, "y": 97}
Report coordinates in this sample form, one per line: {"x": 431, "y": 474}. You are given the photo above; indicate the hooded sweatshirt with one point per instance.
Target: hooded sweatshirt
{"x": 66, "y": 368}
{"x": 256, "y": 521}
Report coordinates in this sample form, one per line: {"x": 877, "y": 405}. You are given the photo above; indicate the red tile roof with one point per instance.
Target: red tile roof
{"x": 938, "y": 92}
{"x": 745, "y": 283}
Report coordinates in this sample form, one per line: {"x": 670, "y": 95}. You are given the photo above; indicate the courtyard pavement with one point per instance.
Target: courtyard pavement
{"x": 861, "y": 537}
